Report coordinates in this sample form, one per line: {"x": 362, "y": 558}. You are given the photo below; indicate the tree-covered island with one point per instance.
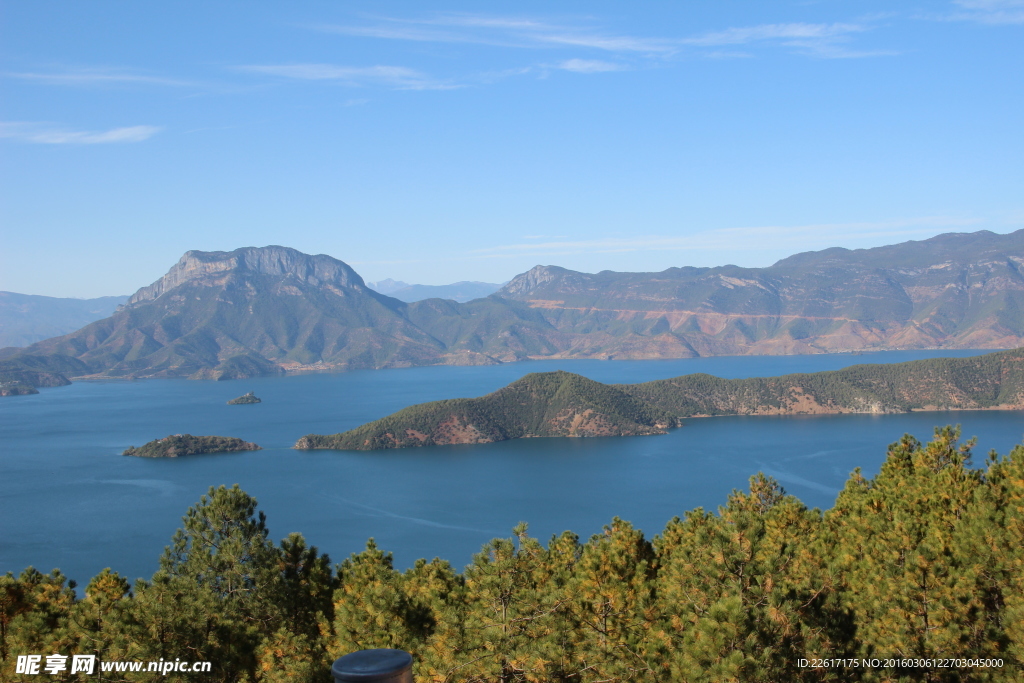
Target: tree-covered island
{"x": 177, "y": 445}
{"x": 245, "y": 399}
{"x": 565, "y": 404}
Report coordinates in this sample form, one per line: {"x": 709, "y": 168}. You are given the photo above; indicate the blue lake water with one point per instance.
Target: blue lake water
{"x": 68, "y": 499}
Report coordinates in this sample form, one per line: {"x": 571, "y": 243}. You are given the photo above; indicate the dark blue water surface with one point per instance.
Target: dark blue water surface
{"x": 68, "y": 499}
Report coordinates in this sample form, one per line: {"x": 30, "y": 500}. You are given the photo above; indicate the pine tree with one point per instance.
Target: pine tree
{"x": 504, "y": 613}
{"x": 13, "y": 601}
{"x": 97, "y": 623}
{"x": 996, "y": 538}
{"x": 435, "y": 596}
{"x": 217, "y": 592}
{"x": 290, "y": 657}
{"x": 612, "y": 600}
{"x": 307, "y": 589}
{"x": 370, "y": 608}
{"x": 737, "y": 590}
{"x": 913, "y": 590}
{"x": 35, "y": 609}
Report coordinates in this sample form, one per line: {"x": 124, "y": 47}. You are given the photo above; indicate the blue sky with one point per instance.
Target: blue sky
{"x": 434, "y": 142}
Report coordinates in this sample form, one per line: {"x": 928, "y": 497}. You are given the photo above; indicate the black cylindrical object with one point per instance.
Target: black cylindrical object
{"x": 373, "y": 666}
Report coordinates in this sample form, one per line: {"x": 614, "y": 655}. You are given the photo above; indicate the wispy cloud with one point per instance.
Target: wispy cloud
{"x": 997, "y": 12}
{"x": 799, "y": 237}
{"x": 830, "y": 41}
{"x": 94, "y": 77}
{"x": 817, "y": 40}
{"x": 503, "y": 32}
{"x": 396, "y": 77}
{"x": 47, "y": 134}
{"x": 588, "y": 66}
{"x": 750, "y": 34}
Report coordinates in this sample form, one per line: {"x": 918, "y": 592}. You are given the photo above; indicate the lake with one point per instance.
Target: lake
{"x": 68, "y": 499}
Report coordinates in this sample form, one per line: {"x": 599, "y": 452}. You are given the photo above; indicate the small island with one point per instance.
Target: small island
{"x": 185, "y": 444}
{"x": 244, "y": 400}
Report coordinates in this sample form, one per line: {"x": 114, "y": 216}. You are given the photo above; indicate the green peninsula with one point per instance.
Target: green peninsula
{"x": 245, "y": 399}
{"x": 16, "y": 388}
{"x": 565, "y": 404}
{"x": 185, "y": 444}
{"x": 26, "y": 373}
{"x": 539, "y": 404}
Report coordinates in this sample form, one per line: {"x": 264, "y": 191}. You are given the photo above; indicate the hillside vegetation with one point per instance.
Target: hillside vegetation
{"x": 994, "y": 380}
{"x": 31, "y": 371}
{"x": 564, "y": 404}
{"x": 177, "y": 445}
{"x": 911, "y": 568}
{"x": 539, "y": 404}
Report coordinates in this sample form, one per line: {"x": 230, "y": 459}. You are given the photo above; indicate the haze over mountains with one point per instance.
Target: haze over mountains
{"x": 273, "y": 309}
{"x": 27, "y": 318}
{"x": 459, "y": 291}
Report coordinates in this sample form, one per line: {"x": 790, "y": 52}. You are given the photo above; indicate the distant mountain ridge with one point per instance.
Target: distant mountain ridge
{"x": 564, "y": 404}
{"x": 28, "y": 318}
{"x": 459, "y": 291}
{"x": 959, "y": 290}
{"x": 268, "y": 310}
{"x": 252, "y": 311}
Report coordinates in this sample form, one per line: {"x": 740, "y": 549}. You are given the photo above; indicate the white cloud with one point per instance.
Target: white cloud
{"x": 48, "y": 135}
{"x": 412, "y": 33}
{"x": 397, "y": 77}
{"x": 503, "y": 32}
{"x": 821, "y": 40}
{"x": 86, "y": 77}
{"x": 827, "y": 41}
{"x": 801, "y": 237}
{"x": 588, "y": 66}
{"x": 608, "y": 43}
{"x": 727, "y": 54}
{"x": 998, "y": 12}
{"x": 750, "y": 34}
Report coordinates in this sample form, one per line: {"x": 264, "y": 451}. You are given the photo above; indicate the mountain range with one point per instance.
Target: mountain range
{"x": 269, "y": 310}
{"x": 565, "y": 404}
{"x": 27, "y": 318}
{"x": 459, "y": 291}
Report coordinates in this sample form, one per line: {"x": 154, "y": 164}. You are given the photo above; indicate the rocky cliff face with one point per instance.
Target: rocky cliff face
{"x": 315, "y": 271}
{"x": 252, "y": 311}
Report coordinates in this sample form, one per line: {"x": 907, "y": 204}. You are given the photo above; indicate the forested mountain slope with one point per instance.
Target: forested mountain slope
{"x": 539, "y": 404}
{"x": 564, "y": 404}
